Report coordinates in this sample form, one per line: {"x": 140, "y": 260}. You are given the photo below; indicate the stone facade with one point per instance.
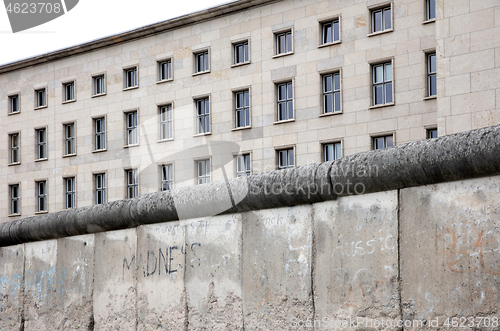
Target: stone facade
{"x": 464, "y": 35}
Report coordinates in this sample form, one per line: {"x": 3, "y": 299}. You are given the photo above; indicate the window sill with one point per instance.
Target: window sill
{"x": 68, "y": 101}
{"x": 240, "y": 64}
{"x": 432, "y": 97}
{"x": 282, "y": 54}
{"x": 69, "y": 155}
{"x": 40, "y": 160}
{"x": 165, "y": 140}
{"x": 330, "y": 44}
{"x": 201, "y": 72}
{"x": 284, "y": 121}
{"x": 41, "y": 212}
{"x": 380, "y": 32}
{"x": 14, "y": 215}
{"x": 98, "y": 95}
{"x": 382, "y": 106}
{"x": 202, "y": 134}
{"x": 338, "y": 112}
{"x": 14, "y": 113}
{"x": 14, "y": 164}
{"x": 130, "y": 88}
{"x": 242, "y": 128}
{"x": 100, "y": 150}
{"x": 429, "y": 21}
{"x": 164, "y": 81}
{"x": 130, "y": 146}
{"x": 40, "y": 107}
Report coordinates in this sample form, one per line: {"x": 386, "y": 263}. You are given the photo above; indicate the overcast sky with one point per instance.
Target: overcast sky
{"x": 90, "y": 20}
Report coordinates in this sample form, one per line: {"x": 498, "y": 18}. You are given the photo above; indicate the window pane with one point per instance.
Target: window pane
{"x": 327, "y": 33}
{"x": 336, "y": 31}
{"x": 377, "y": 21}
{"x": 378, "y": 92}
{"x": 432, "y": 63}
{"x": 336, "y": 85}
{"x": 388, "y": 92}
{"x": 387, "y": 19}
{"x": 390, "y": 141}
{"x": 432, "y": 85}
{"x": 338, "y": 150}
{"x": 378, "y": 74}
{"x": 431, "y": 9}
{"x": 337, "y": 101}
{"x": 289, "y": 42}
{"x": 291, "y": 160}
{"x": 328, "y": 102}
{"x": 327, "y": 86}
{"x": 290, "y": 110}
{"x": 281, "y": 44}
{"x": 246, "y": 52}
{"x": 328, "y": 153}
{"x": 290, "y": 91}
{"x": 388, "y": 72}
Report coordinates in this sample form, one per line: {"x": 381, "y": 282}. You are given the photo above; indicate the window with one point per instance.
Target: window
{"x": 432, "y": 133}
{"x": 382, "y": 84}
{"x": 70, "y": 188}
{"x": 69, "y": 139}
{"x": 431, "y": 75}
{"x": 201, "y": 62}
{"x": 14, "y": 104}
{"x": 286, "y": 158}
{"x": 100, "y": 188}
{"x": 332, "y": 151}
{"x": 203, "y": 171}
{"x": 131, "y": 77}
{"x": 242, "y": 109}
{"x": 285, "y": 101}
{"x": 15, "y": 197}
{"x": 15, "y": 155}
{"x": 381, "y": 19}
{"x": 284, "y": 42}
{"x": 40, "y": 98}
{"x": 243, "y": 165}
{"x": 99, "y": 85}
{"x": 41, "y": 144}
{"x": 69, "y": 91}
{"x": 100, "y": 133}
{"x": 132, "y": 183}
{"x": 331, "y": 93}
{"x": 166, "y": 128}
{"x": 167, "y": 177}
{"x": 430, "y": 10}
{"x": 41, "y": 194}
{"x": 202, "y": 116}
{"x": 383, "y": 142}
{"x": 131, "y": 133}
{"x": 165, "y": 70}
{"x": 330, "y": 32}
{"x": 241, "y": 54}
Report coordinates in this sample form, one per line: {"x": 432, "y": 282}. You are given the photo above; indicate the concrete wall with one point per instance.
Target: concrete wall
{"x": 416, "y": 253}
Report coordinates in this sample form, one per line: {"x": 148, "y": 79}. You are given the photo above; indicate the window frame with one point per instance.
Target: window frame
{"x": 130, "y": 129}
{"x": 428, "y": 133}
{"x": 207, "y": 178}
{"x": 206, "y": 62}
{"x": 41, "y": 196}
{"x": 69, "y": 139}
{"x": 384, "y": 136}
{"x": 384, "y": 82}
{"x": 10, "y": 98}
{"x": 333, "y": 92}
{"x": 247, "y": 161}
{"x": 100, "y": 190}
{"x": 335, "y": 143}
{"x": 70, "y": 195}
{"x": 95, "y": 78}
{"x": 291, "y": 149}
{"x": 64, "y": 91}
{"x": 246, "y": 109}
{"x": 331, "y": 21}
{"x": 287, "y": 100}
{"x": 168, "y": 183}
{"x": 170, "y": 70}
{"x": 131, "y": 183}
{"x": 43, "y": 92}
{"x": 234, "y": 46}
{"x": 381, "y": 8}
{"x": 101, "y": 134}
{"x": 288, "y": 50}
{"x": 133, "y": 83}
{"x": 198, "y": 126}
{"x": 41, "y": 146}
{"x": 429, "y": 75}
{"x": 15, "y": 149}
{"x": 15, "y": 200}
{"x": 427, "y": 11}
{"x": 169, "y": 122}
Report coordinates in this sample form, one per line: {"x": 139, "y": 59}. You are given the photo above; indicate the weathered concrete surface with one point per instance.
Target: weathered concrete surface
{"x": 450, "y": 250}
{"x": 277, "y": 262}
{"x": 213, "y": 273}
{"x": 161, "y": 297}
{"x": 11, "y": 287}
{"x": 115, "y": 291}
{"x": 356, "y": 258}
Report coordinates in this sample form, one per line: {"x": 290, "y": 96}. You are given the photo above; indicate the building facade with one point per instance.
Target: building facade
{"x": 242, "y": 88}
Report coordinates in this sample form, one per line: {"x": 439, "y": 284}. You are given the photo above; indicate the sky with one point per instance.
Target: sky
{"x": 90, "y": 20}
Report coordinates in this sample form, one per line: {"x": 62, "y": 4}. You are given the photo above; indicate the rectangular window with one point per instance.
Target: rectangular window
{"x": 241, "y": 54}
{"x": 69, "y": 91}
{"x": 202, "y": 115}
{"x": 69, "y": 139}
{"x": 383, "y": 142}
{"x": 14, "y": 104}
{"x": 382, "y": 83}
{"x": 131, "y": 133}
{"x": 243, "y": 165}
{"x": 330, "y": 32}
{"x": 430, "y": 10}
{"x": 41, "y": 194}
{"x": 284, "y": 42}
{"x": 40, "y": 98}
{"x": 381, "y": 19}
{"x": 70, "y": 189}
{"x": 99, "y": 85}
{"x": 15, "y": 153}
{"x": 285, "y": 101}
{"x": 242, "y": 109}
{"x": 100, "y": 133}
{"x": 331, "y": 93}
{"x": 203, "y": 171}
{"x": 286, "y": 158}
{"x": 131, "y": 77}
{"x": 167, "y": 177}
{"x": 100, "y": 188}
{"x": 132, "y": 183}
{"x": 432, "y": 133}
{"x": 332, "y": 151}
{"x": 201, "y": 62}
{"x": 431, "y": 75}
{"x": 166, "y": 123}
{"x": 41, "y": 144}
{"x": 165, "y": 70}
{"x": 15, "y": 197}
